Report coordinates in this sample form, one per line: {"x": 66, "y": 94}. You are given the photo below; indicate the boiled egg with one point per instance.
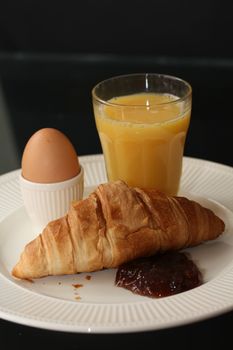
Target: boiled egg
{"x": 49, "y": 157}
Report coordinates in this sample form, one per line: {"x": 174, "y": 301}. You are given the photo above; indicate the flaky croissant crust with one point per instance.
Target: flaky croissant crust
{"x": 113, "y": 225}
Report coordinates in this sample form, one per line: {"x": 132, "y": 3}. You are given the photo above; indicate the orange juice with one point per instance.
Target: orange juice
{"x": 142, "y": 137}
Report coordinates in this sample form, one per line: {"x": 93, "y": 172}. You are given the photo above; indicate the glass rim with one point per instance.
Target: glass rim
{"x": 113, "y": 104}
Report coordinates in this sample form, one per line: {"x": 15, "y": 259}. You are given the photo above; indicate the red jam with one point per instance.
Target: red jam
{"x": 159, "y": 275}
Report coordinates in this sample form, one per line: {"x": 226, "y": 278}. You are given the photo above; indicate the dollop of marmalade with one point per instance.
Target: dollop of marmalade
{"x": 159, "y": 275}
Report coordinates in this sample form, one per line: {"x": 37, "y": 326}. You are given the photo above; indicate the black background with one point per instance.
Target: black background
{"x": 51, "y": 55}
{"x": 170, "y": 28}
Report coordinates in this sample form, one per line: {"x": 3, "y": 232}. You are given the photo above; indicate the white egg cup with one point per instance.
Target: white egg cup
{"x": 47, "y": 202}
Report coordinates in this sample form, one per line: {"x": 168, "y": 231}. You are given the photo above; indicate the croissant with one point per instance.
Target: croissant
{"x": 113, "y": 225}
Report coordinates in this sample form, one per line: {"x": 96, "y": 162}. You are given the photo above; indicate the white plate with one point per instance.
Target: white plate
{"x": 52, "y": 302}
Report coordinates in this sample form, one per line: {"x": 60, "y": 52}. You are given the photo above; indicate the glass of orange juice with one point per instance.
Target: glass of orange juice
{"x": 142, "y": 121}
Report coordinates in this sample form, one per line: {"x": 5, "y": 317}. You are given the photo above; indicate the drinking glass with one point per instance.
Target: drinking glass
{"x": 142, "y": 122}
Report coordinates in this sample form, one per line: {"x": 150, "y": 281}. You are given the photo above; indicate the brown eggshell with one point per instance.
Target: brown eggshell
{"x": 49, "y": 157}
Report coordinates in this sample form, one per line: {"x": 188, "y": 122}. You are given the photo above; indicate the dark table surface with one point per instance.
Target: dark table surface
{"x": 209, "y": 334}
{"x": 41, "y": 91}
